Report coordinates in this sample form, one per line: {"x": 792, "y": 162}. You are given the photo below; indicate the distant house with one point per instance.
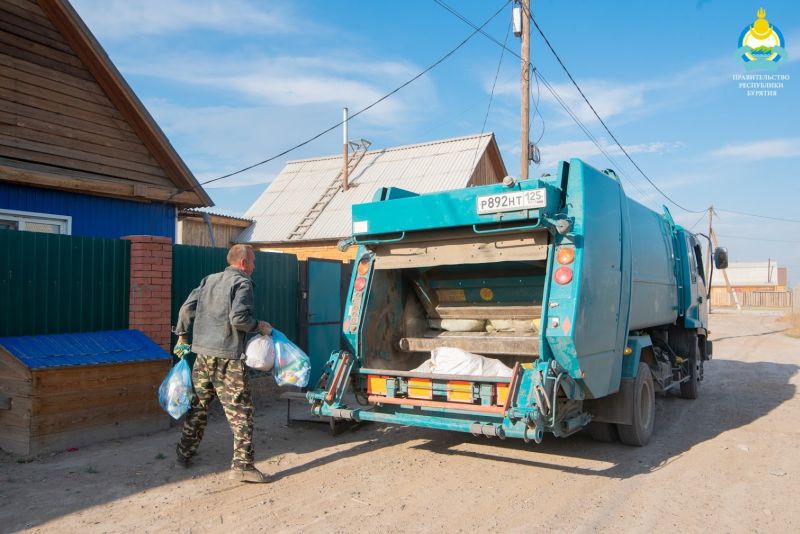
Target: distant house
{"x": 756, "y": 284}
{"x": 79, "y": 153}
{"x": 753, "y": 276}
{"x": 206, "y": 229}
{"x": 305, "y": 210}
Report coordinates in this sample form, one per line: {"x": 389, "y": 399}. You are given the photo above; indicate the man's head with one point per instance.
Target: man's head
{"x": 243, "y": 258}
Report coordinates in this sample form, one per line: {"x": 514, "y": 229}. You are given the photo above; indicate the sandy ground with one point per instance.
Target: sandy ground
{"x": 727, "y": 462}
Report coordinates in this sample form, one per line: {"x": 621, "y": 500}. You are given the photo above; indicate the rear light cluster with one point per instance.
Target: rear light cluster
{"x": 351, "y": 323}
{"x": 565, "y": 256}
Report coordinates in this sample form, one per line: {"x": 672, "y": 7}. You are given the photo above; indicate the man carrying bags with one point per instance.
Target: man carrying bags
{"x": 220, "y": 314}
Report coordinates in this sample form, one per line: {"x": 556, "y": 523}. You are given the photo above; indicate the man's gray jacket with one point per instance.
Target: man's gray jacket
{"x": 221, "y": 309}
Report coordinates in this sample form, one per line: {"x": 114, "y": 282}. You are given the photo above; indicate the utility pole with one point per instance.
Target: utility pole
{"x": 525, "y": 100}
{"x": 713, "y": 237}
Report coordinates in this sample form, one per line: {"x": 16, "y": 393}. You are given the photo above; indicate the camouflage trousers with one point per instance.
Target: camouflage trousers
{"x": 226, "y": 379}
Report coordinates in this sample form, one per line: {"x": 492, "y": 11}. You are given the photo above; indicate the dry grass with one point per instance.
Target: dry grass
{"x": 793, "y": 320}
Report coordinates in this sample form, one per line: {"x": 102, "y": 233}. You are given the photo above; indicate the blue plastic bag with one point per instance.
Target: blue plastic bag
{"x": 176, "y": 391}
{"x": 292, "y": 365}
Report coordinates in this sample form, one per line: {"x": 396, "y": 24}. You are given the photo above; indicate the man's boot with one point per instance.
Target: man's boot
{"x": 251, "y": 475}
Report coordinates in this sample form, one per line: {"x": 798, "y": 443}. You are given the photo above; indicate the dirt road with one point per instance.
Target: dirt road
{"x": 727, "y": 462}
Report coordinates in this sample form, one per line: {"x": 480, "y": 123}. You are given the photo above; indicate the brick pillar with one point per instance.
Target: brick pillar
{"x": 150, "y": 305}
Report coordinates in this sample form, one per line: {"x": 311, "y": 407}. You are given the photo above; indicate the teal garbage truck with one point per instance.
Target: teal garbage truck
{"x": 588, "y": 302}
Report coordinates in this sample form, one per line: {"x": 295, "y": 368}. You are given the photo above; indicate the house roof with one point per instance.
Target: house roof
{"x": 422, "y": 168}
{"x": 88, "y": 348}
{"x": 216, "y": 218}
{"x": 184, "y": 190}
{"x": 744, "y": 274}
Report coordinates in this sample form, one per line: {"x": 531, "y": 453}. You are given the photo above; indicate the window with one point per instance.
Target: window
{"x": 699, "y": 257}
{"x": 35, "y": 222}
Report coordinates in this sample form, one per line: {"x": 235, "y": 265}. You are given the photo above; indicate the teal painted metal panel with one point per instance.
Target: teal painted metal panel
{"x": 56, "y": 284}
{"x": 324, "y": 313}
{"x": 446, "y": 209}
{"x": 275, "y": 279}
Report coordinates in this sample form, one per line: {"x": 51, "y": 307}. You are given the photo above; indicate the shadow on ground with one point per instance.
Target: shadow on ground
{"x": 734, "y": 394}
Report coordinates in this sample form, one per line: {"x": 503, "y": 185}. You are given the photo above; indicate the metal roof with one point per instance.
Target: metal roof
{"x": 87, "y": 348}
{"x": 421, "y": 168}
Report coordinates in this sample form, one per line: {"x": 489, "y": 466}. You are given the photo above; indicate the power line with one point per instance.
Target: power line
{"x": 585, "y": 130}
{"x": 552, "y": 91}
{"x": 702, "y": 218}
{"x": 758, "y": 239}
{"x": 558, "y": 58}
{"x": 536, "y": 105}
{"x": 491, "y": 95}
{"x": 589, "y": 134}
{"x": 368, "y": 107}
{"x": 783, "y": 219}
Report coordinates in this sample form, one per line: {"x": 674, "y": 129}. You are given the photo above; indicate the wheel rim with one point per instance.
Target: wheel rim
{"x": 646, "y": 404}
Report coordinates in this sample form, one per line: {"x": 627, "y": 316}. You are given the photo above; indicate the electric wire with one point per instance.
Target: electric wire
{"x": 748, "y": 214}
{"x": 536, "y": 105}
{"x": 491, "y": 95}
{"x": 602, "y": 122}
{"x": 702, "y": 217}
{"x": 589, "y": 134}
{"x": 563, "y": 105}
{"x": 748, "y": 238}
{"x": 369, "y": 106}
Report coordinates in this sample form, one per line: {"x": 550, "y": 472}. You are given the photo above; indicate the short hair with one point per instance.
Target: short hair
{"x": 239, "y": 252}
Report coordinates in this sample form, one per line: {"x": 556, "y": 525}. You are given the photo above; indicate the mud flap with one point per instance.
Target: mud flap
{"x": 615, "y": 408}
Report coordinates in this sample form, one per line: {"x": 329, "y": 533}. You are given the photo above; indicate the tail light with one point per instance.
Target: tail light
{"x": 363, "y": 266}
{"x": 565, "y": 255}
{"x": 360, "y": 283}
{"x": 563, "y": 275}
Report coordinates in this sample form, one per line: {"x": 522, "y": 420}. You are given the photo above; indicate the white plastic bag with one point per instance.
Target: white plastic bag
{"x": 260, "y": 353}
{"x": 453, "y": 361}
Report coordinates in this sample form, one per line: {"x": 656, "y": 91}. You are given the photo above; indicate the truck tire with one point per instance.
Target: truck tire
{"x": 604, "y": 432}
{"x": 691, "y": 388}
{"x": 644, "y": 410}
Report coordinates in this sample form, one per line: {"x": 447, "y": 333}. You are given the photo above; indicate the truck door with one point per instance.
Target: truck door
{"x": 587, "y": 320}
{"x": 696, "y": 292}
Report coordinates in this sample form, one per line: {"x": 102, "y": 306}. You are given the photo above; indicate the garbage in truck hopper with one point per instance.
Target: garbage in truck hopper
{"x": 453, "y": 361}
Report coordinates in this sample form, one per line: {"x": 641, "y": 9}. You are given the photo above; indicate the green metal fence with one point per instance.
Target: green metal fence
{"x": 54, "y": 284}
{"x": 275, "y": 280}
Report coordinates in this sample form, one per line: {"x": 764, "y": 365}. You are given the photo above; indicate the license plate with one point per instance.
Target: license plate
{"x": 518, "y": 200}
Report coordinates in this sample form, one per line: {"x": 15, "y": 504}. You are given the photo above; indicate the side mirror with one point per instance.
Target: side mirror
{"x": 721, "y": 258}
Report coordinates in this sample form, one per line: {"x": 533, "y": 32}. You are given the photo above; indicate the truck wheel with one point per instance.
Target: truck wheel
{"x": 691, "y": 388}
{"x": 605, "y": 432}
{"x": 644, "y": 410}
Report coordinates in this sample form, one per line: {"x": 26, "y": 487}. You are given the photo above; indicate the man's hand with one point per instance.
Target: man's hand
{"x": 264, "y": 328}
{"x": 182, "y": 347}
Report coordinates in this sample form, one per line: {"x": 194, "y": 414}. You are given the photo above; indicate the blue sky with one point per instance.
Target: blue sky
{"x": 233, "y": 82}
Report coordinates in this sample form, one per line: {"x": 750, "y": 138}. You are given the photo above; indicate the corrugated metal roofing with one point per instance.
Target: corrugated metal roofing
{"x": 421, "y": 168}
{"x": 87, "y": 348}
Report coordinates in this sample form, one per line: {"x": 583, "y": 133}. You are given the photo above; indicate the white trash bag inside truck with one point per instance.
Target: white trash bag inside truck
{"x": 453, "y": 361}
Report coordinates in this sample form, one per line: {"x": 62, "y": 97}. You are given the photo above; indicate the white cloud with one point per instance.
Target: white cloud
{"x": 553, "y": 153}
{"x": 118, "y": 19}
{"x": 608, "y": 98}
{"x": 758, "y": 150}
{"x": 333, "y": 80}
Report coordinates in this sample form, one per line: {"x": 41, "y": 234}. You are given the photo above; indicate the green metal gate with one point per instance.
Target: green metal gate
{"x": 275, "y": 280}
{"x": 56, "y": 284}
